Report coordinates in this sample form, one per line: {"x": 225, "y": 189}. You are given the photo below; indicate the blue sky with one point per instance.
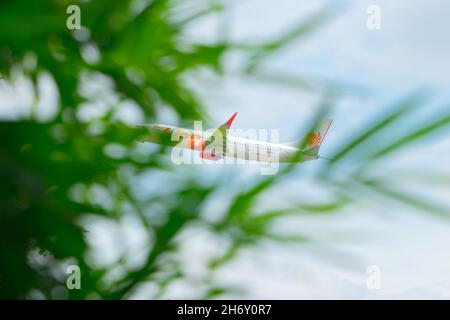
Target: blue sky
{"x": 410, "y": 50}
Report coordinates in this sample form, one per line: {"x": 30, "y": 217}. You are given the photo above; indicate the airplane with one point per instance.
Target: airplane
{"x": 219, "y": 144}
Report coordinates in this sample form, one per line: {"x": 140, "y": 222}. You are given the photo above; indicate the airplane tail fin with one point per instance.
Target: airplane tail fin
{"x": 314, "y": 139}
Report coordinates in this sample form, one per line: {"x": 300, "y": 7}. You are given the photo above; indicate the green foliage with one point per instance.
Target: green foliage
{"x": 40, "y": 163}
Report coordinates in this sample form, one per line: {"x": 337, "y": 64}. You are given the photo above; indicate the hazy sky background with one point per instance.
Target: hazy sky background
{"x": 410, "y": 51}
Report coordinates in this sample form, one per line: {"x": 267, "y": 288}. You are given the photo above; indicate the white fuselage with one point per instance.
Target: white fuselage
{"x": 237, "y": 147}
{"x": 255, "y": 150}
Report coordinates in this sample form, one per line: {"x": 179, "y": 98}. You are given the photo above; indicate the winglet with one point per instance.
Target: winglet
{"x": 230, "y": 121}
{"x": 223, "y": 131}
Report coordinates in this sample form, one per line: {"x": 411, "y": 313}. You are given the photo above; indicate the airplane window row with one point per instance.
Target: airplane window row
{"x": 258, "y": 147}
